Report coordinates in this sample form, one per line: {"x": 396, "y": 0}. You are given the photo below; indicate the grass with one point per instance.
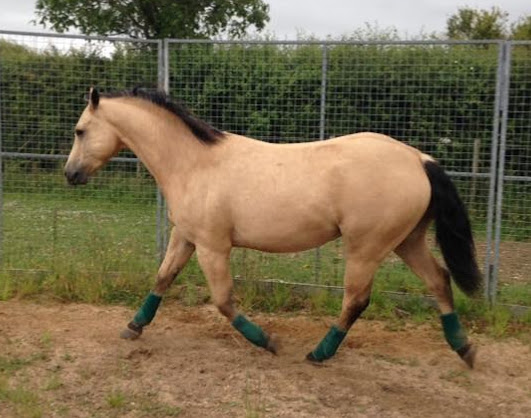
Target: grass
{"x": 25, "y": 403}
{"x": 115, "y": 399}
{"x": 99, "y": 247}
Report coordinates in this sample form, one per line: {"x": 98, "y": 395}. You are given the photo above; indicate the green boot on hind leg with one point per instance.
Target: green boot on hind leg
{"x": 456, "y": 337}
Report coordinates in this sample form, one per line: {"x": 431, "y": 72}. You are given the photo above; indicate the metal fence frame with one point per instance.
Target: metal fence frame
{"x": 496, "y": 175}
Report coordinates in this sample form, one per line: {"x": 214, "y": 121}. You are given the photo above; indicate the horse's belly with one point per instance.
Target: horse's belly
{"x": 284, "y": 234}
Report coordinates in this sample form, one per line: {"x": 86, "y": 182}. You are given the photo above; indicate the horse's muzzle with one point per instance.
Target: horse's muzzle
{"x": 75, "y": 177}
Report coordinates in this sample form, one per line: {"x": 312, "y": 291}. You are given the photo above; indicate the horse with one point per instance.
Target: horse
{"x": 225, "y": 190}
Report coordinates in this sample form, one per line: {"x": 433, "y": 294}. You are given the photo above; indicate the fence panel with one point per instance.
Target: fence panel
{"x": 444, "y": 98}
{"x": 438, "y": 97}
{"x": 107, "y": 226}
{"x": 514, "y": 269}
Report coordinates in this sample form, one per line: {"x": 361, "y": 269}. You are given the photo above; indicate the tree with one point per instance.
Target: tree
{"x": 521, "y": 30}
{"x": 470, "y": 23}
{"x": 154, "y": 19}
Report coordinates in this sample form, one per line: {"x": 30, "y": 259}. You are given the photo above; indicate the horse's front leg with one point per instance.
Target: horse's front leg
{"x": 177, "y": 255}
{"x": 215, "y": 265}
{"x": 358, "y": 284}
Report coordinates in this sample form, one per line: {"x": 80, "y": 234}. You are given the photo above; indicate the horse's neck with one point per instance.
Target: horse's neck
{"x": 163, "y": 144}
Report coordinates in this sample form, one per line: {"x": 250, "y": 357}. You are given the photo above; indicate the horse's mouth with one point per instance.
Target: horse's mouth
{"x": 76, "y": 178}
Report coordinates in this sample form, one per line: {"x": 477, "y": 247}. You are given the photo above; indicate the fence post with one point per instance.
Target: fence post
{"x": 1, "y": 183}
{"x": 162, "y": 218}
{"x": 322, "y": 130}
{"x": 504, "y": 110}
{"x": 493, "y": 165}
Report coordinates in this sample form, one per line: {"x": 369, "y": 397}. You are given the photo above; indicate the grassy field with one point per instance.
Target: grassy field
{"x": 75, "y": 247}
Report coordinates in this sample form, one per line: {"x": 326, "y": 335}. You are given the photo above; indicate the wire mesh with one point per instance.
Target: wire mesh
{"x": 439, "y": 97}
{"x": 106, "y": 226}
{"x": 515, "y": 248}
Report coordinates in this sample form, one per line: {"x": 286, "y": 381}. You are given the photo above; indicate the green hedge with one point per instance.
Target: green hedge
{"x": 419, "y": 94}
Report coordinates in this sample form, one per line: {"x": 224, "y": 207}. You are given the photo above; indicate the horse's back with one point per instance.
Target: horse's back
{"x": 297, "y": 196}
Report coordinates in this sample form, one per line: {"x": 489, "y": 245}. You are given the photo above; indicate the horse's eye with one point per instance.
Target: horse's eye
{"x": 79, "y": 132}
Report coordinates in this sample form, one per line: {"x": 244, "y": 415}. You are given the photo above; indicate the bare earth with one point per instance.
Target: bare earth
{"x": 190, "y": 363}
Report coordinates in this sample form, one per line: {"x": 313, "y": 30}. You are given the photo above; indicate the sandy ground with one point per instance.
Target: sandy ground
{"x": 190, "y": 363}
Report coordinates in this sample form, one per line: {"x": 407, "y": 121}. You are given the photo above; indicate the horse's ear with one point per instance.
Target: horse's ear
{"x": 94, "y": 98}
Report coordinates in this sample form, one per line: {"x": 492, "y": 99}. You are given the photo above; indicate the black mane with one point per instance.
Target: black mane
{"x": 202, "y": 130}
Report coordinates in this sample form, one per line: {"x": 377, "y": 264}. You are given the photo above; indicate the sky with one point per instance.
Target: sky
{"x": 325, "y": 18}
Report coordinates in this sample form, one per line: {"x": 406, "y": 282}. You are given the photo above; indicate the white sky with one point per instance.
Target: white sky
{"x": 323, "y": 18}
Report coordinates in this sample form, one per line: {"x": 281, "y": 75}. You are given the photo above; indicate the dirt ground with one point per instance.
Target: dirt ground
{"x": 190, "y": 363}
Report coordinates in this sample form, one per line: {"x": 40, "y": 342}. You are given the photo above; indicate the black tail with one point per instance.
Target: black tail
{"x": 452, "y": 229}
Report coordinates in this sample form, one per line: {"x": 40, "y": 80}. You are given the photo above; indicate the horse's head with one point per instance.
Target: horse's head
{"x": 95, "y": 142}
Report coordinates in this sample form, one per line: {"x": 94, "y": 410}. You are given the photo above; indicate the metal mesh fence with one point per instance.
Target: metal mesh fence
{"x": 437, "y": 97}
{"x": 443, "y": 98}
{"x": 110, "y": 224}
{"x": 515, "y": 234}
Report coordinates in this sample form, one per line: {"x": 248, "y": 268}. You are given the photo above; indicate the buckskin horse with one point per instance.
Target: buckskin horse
{"x": 225, "y": 190}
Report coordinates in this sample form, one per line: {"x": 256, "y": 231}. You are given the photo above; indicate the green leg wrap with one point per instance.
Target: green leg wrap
{"x": 147, "y": 311}
{"x": 453, "y": 332}
{"x": 329, "y": 345}
{"x": 251, "y": 331}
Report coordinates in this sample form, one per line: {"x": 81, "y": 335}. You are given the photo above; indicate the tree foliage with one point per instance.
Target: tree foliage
{"x": 154, "y": 19}
{"x": 521, "y": 30}
{"x": 470, "y": 23}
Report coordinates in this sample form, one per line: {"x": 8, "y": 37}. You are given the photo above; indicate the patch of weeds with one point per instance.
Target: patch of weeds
{"x": 11, "y": 365}
{"x": 46, "y": 340}
{"x": 68, "y": 358}
{"x": 7, "y": 287}
{"x": 63, "y": 411}
{"x": 498, "y": 321}
{"x": 155, "y": 409}
{"x": 25, "y": 402}
{"x": 53, "y": 383}
{"x": 278, "y": 299}
{"x": 190, "y": 296}
{"x": 381, "y": 307}
{"x": 115, "y": 399}
{"x": 252, "y": 401}
{"x": 248, "y": 294}
{"x": 461, "y": 377}
{"x": 418, "y": 308}
{"x": 324, "y": 302}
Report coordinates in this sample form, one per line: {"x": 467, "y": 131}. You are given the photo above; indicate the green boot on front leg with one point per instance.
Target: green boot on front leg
{"x": 143, "y": 317}
{"x": 328, "y": 346}
{"x": 254, "y": 333}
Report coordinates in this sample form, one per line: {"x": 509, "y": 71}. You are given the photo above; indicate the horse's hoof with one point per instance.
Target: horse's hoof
{"x": 132, "y": 332}
{"x": 468, "y": 354}
{"x": 272, "y": 344}
{"x": 311, "y": 358}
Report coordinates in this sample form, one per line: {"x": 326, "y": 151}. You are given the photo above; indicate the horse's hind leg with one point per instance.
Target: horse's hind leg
{"x": 416, "y": 254}
{"x": 177, "y": 255}
{"x": 215, "y": 265}
{"x": 359, "y": 274}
